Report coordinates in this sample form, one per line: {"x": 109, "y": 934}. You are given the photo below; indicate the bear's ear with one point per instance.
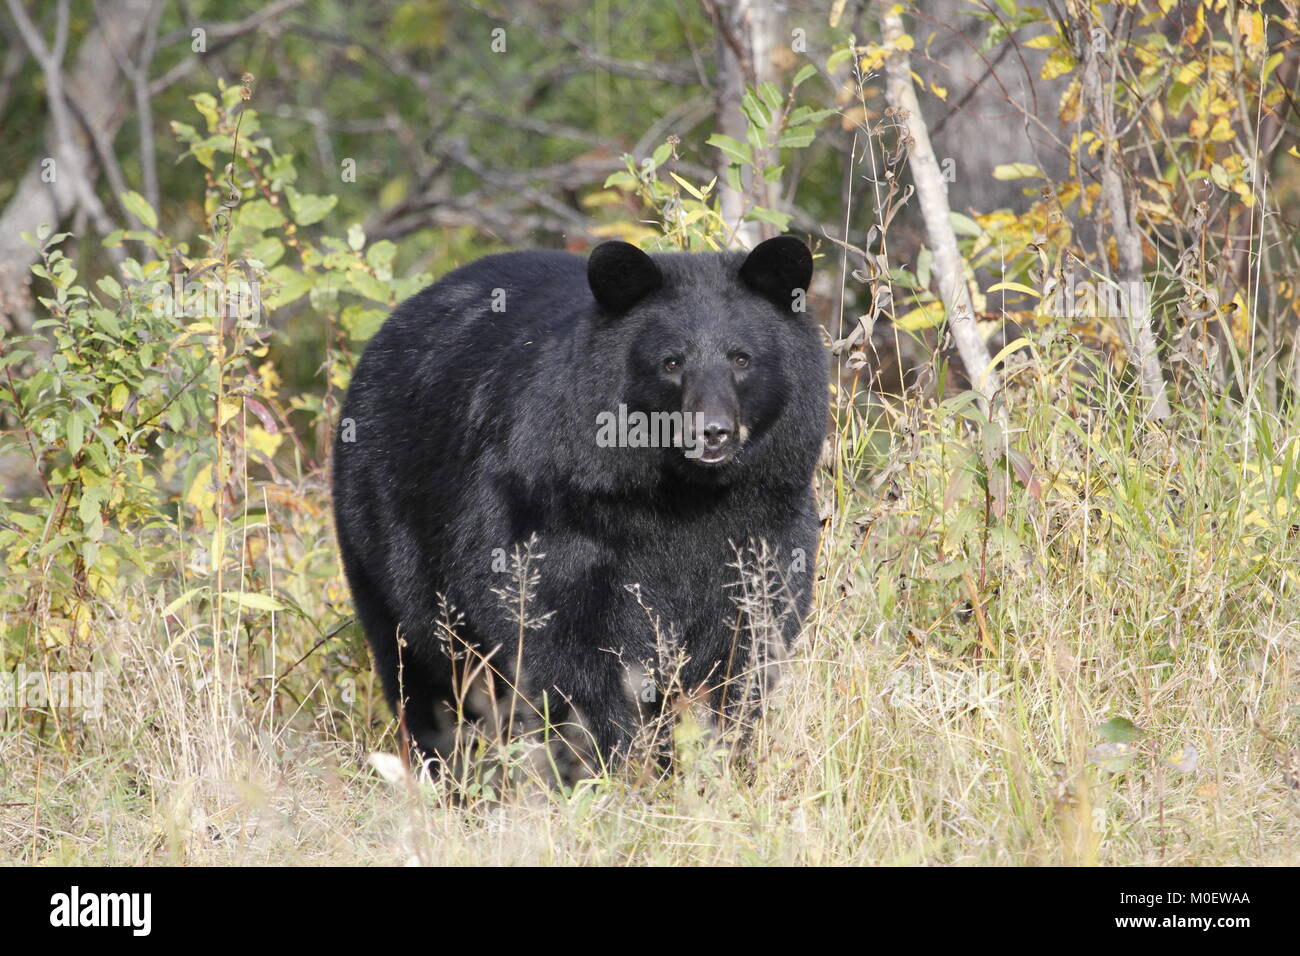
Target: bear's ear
{"x": 776, "y": 268}
{"x": 621, "y": 275}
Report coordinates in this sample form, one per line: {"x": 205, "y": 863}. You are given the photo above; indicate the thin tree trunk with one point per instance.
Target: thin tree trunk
{"x": 932, "y": 194}
{"x": 96, "y": 84}
{"x": 1135, "y": 325}
{"x": 746, "y": 39}
{"x": 1295, "y": 362}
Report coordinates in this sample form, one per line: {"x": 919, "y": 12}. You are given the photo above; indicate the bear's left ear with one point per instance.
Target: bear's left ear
{"x": 777, "y": 268}
{"x": 621, "y": 275}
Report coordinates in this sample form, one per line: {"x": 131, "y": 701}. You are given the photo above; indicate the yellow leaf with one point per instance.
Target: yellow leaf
{"x": 922, "y": 317}
{"x": 627, "y": 231}
{"x": 1069, "y": 109}
{"x": 261, "y": 440}
{"x": 229, "y": 409}
{"x": 1015, "y": 287}
{"x": 1016, "y": 346}
{"x": 687, "y": 186}
{"x": 1269, "y": 66}
{"x": 1222, "y": 105}
{"x": 201, "y": 494}
{"x": 1194, "y": 32}
{"x": 939, "y": 91}
{"x": 1250, "y": 24}
{"x": 873, "y": 60}
{"x": 117, "y": 401}
{"x": 1048, "y": 41}
{"x": 1017, "y": 171}
{"x": 1058, "y": 64}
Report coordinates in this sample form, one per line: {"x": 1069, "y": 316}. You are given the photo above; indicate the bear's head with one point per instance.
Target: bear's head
{"x": 713, "y": 351}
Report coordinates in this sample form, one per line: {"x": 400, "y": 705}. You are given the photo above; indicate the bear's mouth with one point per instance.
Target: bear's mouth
{"x": 714, "y": 458}
{"x": 713, "y": 439}
{"x": 714, "y": 454}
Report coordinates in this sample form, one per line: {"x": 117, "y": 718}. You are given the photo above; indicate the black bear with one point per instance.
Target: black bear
{"x": 582, "y": 481}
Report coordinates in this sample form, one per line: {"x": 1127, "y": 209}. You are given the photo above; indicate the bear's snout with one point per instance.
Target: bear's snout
{"x": 711, "y": 408}
{"x": 718, "y": 432}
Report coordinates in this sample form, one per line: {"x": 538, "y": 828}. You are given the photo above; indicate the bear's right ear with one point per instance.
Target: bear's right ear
{"x": 621, "y": 275}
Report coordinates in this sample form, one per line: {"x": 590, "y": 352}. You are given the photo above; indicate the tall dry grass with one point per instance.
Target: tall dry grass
{"x": 1098, "y": 669}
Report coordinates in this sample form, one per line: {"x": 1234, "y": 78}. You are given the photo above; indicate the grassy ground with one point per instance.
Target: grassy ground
{"x": 1080, "y": 652}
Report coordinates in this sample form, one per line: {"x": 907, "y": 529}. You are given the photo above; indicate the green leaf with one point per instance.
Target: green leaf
{"x": 290, "y": 284}
{"x": 965, "y": 225}
{"x": 837, "y": 58}
{"x": 625, "y": 180}
{"x": 109, "y": 286}
{"x": 797, "y": 138}
{"x": 268, "y": 250}
{"x": 175, "y": 605}
{"x": 361, "y": 323}
{"x": 732, "y": 174}
{"x": 770, "y": 216}
{"x": 1118, "y": 730}
{"x": 805, "y": 115}
{"x": 260, "y": 214}
{"x": 76, "y": 433}
{"x": 308, "y": 208}
{"x": 808, "y": 71}
{"x": 140, "y": 208}
{"x": 380, "y": 255}
{"x": 367, "y": 285}
{"x": 252, "y": 601}
{"x": 754, "y": 109}
{"x": 206, "y": 104}
{"x": 88, "y": 507}
{"x": 733, "y": 149}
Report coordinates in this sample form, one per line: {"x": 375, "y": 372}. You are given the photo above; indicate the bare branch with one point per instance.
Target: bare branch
{"x": 1122, "y": 213}
{"x": 932, "y": 194}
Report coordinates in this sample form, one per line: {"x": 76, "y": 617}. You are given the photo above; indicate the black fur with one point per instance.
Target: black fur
{"x": 476, "y": 430}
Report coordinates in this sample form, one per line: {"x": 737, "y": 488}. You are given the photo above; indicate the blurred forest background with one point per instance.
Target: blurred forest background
{"x": 1058, "y": 603}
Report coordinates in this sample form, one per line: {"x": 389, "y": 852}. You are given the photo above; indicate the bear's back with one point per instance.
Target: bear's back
{"x": 491, "y": 300}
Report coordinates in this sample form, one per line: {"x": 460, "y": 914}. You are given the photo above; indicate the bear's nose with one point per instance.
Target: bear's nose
{"x": 717, "y": 432}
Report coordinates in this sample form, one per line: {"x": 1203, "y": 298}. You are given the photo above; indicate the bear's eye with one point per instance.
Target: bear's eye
{"x": 740, "y": 360}
{"x": 672, "y": 363}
